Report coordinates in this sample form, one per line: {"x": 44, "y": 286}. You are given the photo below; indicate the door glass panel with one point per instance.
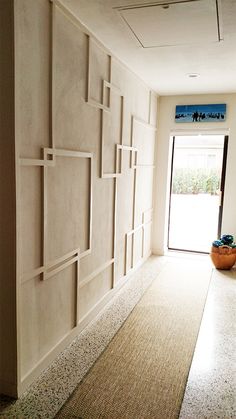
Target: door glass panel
{"x": 195, "y": 192}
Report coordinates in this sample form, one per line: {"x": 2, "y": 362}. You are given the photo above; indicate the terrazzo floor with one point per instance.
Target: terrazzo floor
{"x": 211, "y": 387}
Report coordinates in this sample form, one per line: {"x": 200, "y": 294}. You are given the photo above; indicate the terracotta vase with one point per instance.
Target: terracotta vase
{"x": 223, "y": 257}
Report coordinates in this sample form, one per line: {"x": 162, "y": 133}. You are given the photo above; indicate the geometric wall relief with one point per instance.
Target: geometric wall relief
{"x": 98, "y": 75}
{"x": 31, "y": 220}
{"x": 124, "y": 215}
{"x": 103, "y": 224}
{"x": 71, "y": 254}
{"x": 105, "y": 96}
{"x": 57, "y": 196}
{"x": 143, "y": 141}
{"x": 48, "y": 314}
{"x": 143, "y": 138}
{"x": 97, "y": 288}
{"x": 140, "y": 150}
{"x": 68, "y": 86}
{"x": 112, "y": 135}
{"x": 70, "y": 178}
{"x": 97, "y": 271}
{"x": 141, "y": 228}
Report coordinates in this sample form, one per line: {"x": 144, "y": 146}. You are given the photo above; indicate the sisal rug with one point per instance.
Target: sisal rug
{"x": 143, "y": 372}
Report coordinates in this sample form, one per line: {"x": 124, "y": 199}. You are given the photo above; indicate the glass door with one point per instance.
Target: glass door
{"x": 197, "y": 188}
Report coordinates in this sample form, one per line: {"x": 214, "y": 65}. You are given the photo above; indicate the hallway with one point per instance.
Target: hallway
{"x": 213, "y": 366}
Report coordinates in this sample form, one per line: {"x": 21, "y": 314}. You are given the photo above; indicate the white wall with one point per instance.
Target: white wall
{"x": 166, "y": 126}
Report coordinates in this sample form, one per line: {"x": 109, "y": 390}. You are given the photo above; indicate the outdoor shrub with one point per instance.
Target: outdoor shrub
{"x": 194, "y": 181}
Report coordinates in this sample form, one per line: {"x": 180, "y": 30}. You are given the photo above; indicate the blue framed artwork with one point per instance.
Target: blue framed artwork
{"x": 200, "y": 113}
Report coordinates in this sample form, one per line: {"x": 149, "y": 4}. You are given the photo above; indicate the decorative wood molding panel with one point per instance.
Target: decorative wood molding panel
{"x": 85, "y": 197}
{"x": 51, "y": 267}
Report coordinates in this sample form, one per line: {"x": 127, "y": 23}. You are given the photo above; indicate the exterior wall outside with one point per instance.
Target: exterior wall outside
{"x": 203, "y": 158}
{"x": 168, "y": 127}
{"x": 85, "y": 138}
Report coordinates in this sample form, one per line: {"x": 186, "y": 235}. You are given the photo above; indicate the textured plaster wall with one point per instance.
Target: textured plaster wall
{"x": 85, "y": 140}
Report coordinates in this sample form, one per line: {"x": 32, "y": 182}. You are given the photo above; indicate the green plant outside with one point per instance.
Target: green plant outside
{"x": 194, "y": 181}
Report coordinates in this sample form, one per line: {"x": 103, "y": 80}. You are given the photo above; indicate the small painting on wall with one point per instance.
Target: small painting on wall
{"x": 200, "y": 113}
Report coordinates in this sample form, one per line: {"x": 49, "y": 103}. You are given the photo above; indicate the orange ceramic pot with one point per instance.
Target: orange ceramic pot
{"x": 223, "y": 257}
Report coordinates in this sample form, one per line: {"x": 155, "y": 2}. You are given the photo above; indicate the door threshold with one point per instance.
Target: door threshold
{"x": 186, "y": 254}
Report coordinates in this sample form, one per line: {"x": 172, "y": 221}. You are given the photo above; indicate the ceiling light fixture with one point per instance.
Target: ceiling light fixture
{"x": 193, "y": 75}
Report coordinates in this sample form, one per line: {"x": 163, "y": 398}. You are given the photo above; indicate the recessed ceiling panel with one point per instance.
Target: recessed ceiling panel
{"x": 180, "y": 23}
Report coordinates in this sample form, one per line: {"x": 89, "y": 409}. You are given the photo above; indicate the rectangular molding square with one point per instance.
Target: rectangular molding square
{"x": 51, "y": 266}
{"x": 70, "y": 178}
{"x": 94, "y": 292}
{"x": 130, "y": 237}
{"x": 143, "y": 133}
{"x": 49, "y": 312}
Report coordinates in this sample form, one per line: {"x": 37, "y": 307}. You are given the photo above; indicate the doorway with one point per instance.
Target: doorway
{"x": 196, "y": 191}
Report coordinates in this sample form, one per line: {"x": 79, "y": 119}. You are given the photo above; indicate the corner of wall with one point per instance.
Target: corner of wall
{"x": 8, "y": 346}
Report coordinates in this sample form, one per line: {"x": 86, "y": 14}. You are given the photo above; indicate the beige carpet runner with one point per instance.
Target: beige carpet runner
{"x": 143, "y": 372}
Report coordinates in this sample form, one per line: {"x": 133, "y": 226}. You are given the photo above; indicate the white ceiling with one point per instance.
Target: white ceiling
{"x": 164, "y": 44}
{"x": 171, "y": 25}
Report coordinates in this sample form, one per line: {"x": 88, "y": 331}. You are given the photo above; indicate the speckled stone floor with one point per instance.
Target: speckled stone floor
{"x": 210, "y": 391}
{"x": 211, "y": 386}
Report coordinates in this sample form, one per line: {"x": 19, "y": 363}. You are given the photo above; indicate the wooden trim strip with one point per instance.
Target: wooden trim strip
{"x": 130, "y": 233}
{"x": 88, "y": 69}
{"x": 48, "y": 275}
{"x": 43, "y": 269}
{"x": 63, "y": 258}
{"x": 52, "y": 68}
{"x": 45, "y": 218}
{"x": 68, "y": 153}
{"x": 126, "y": 254}
{"x": 77, "y": 293}
{"x": 33, "y": 162}
{"x": 118, "y": 170}
{"x": 149, "y": 108}
{"x": 114, "y": 234}
{"x": 110, "y": 175}
{"x": 85, "y": 253}
{"x": 144, "y": 123}
{"x": 31, "y": 274}
{"x": 98, "y": 105}
{"x": 133, "y": 216}
{"x": 112, "y": 86}
{"x": 90, "y": 205}
{"x": 126, "y": 147}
